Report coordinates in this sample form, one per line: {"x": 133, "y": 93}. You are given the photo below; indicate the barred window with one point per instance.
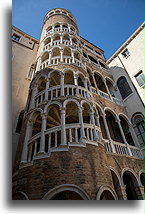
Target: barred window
{"x": 123, "y": 87}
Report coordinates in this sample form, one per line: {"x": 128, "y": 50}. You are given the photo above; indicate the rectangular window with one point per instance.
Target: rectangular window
{"x": 140, "y": 78}
{"x": 16, "y": 37}
{"x": 125, "y": 53}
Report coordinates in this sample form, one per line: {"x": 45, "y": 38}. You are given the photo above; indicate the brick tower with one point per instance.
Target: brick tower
{"x": 77, "y": 142}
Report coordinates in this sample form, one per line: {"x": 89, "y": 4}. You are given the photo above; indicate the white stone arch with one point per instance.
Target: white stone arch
{"x": 83, "y": 102}
{"x": 36, "y": 110}
{"x": 125, "y": 117}
{"x": 43, "y": 53}
{"x": 96, "y": 105}
{"x": 139, "y": 174}
{"x": 110, "y": 110}
{"x": 39, "y": 77}
{"x": 66, "y": 187}
{"x": 117, "y": 174}
{"x": 68, "y": 69}
{"x": 81, "y": 73}
{"x": 23, "y": 194}
{"x": 127, "y": 169}
{"x": 110, "y": 80}
{"x": 99, "y": 74}
{"x": 57, "y": 23}
{"x": 71, "y": 100}
{"x": 49, "y": 74}
{"x": 103, "y": 188}
{"x": 52, "y": 103}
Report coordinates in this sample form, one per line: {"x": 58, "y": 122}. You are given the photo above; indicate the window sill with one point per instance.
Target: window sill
{"x": 126, "y": 98}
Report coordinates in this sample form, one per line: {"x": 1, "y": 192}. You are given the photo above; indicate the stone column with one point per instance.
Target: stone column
{"x": 25, "y": 145}
{"x": 98, "y": 124}
{"x": 43, "y": 128}
{"x": 34, "y": 93}
{"x": 51, "y": 42}
{"x": 49, "y": 60}
{"x": 61, "y": 55}
{"x": 63, "y": 132}
{"x": 121, "y": 190}
{"x": 107, "y": 88}
{"x": 81, "y": 123}
{"x": 62, "y": 84}
{"x": 76, "y": 84}
{"x": 71, "y": 40}
{"x": 61, "y": 38}
{"x": 108, "y": 133}
{"x": 140, "y": 192}
{"x": 73, "y": 58}
{"x": 47, "y": 87}
{"x": 86, "y": 87}
{"x": 93, "y": 122}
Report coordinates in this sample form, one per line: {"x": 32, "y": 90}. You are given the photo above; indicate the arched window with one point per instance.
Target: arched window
{"x": 138, "y": 123}
{"x": 19, "y": 123}
{"x": 124, "y": 87}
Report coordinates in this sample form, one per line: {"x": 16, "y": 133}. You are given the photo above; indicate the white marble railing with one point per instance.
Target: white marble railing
{"x": 55, "y": 92}
{"x": 123, "y": 149}
{"x": 60, "y": 30}
{"x": 103, "y": 94}
{"x": 72, "y": 133}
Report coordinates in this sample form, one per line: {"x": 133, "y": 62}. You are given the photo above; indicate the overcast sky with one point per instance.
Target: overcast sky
{"x": 105, "y": 23}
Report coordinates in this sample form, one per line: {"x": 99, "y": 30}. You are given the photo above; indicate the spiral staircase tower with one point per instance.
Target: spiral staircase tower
{"x": 62, "y": 146}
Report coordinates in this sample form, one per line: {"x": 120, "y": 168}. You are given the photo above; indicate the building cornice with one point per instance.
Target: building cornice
{"x": 141, "y": 27}
{"x": 25, "y": 34}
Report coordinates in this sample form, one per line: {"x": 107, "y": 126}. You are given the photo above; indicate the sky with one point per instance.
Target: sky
{"x": 105, "y": 23}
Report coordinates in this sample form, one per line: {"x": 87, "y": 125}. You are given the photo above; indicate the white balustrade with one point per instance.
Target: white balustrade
{"x": 72, "y": 133}
{"x": 122, "y": 149}
{"x": 89, "y": 131}
{"x": 105, "y": 95}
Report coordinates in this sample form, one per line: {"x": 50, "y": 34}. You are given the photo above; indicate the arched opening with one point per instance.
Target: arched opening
{"x": 56, "y": 37}
{"x": 67, "y": 195}
{"x": 54, "y": 79}
{"x": 68, "y": 78}
{"x": 45, "y": 56}
{"x": 67, "y": 52}
{"x": 113, "y": 127}
{"x": 99, "y": 82}
{"x": 63, "y": 12}
{"x": 71, "y": 117}
{"x": 131, "y": 183}
{"x": 110, "y": 87}
{"x": 37, "y": 123}
{"x": 20, "y": 122}
{"x": 53, "y": 119}
{"x": 41, "y": 84}
{"x": 86, "y": 113}
{"x": 19, "y": 196}
{"x": 106, "y": 195}
{"x": 91, "y": 78}
{"x": 116, "y": 185}
{"x": 55, "y": 52}
{"x": 48, "y": 40}
{"x": 92, "y": 59}
{"x": 56, "y": 26}
{"x": 76, "y": 55}
{"x": 142, "y": 178}
{"x": 71, "y": 113}
{"x": 72, "y": 29}
{"x": 81, "y": 80}
{"x": 102, "y": 126}
{"x": 66, "y": 37}
{"x": 64, "y": 26}
{"x": 49, "y": 29}
{"x": 74, "y": 40}
{"x": 138, "y": 123}
{"x": 123, "y": 87}
{"x": 126, "y": 131}
{"x": 103, "y": 65}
